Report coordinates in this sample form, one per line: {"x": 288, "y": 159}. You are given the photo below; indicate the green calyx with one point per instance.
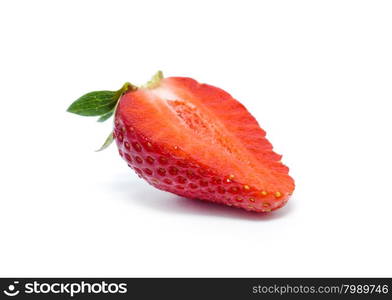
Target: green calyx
{"x": 103, "y": 104}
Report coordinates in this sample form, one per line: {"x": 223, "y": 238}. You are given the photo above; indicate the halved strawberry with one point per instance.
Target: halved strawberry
{"x": 197, "y": 141}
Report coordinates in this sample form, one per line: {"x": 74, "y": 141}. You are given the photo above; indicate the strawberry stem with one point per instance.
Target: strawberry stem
{"x": 154, "y": 81}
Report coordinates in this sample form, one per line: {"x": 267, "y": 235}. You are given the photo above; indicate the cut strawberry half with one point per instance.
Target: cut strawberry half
{"x": 197, "y": 141}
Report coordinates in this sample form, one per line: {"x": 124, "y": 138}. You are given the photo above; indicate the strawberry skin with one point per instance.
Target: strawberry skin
{"x": 196, "y": 141}
{"x": 193, "y": 140}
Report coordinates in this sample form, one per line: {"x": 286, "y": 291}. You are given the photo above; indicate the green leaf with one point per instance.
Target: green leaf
{"x": 104, "y": 103}
{"x": 106, "y": 116}
{"x": 107, "y": 143}
{"x": 95, "y": 103}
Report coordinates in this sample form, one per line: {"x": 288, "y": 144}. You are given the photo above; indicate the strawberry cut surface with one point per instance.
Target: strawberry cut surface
{"x": 197, "y": 141}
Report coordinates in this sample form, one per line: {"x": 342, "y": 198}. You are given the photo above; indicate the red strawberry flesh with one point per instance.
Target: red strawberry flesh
{"x": 196, "y": 141}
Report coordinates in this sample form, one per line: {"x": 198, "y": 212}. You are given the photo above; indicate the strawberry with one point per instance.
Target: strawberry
{"x": 193, "y": 140}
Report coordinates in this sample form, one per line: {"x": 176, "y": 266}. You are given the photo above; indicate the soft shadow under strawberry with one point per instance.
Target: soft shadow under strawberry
{"x": 139, "y": 193}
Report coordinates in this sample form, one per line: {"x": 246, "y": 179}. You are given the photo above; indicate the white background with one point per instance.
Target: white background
{"x": 316, "y": 74}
